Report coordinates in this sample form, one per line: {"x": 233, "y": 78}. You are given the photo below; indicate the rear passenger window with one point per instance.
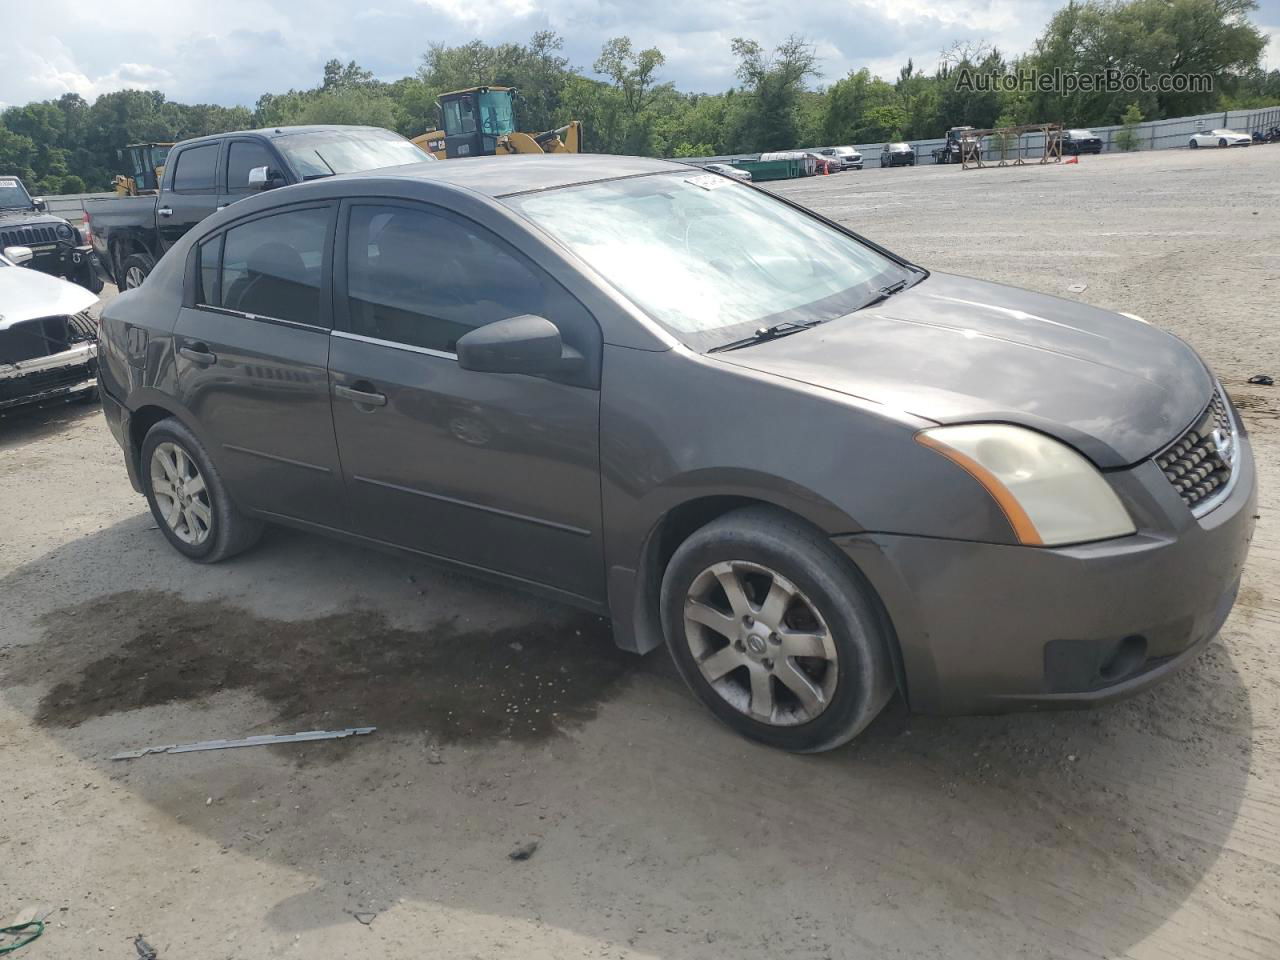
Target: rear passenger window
{"x": 195, "y": 168}
{"x": 425, "y": 279}
{"x": 210, "y": 254}
{"x": 272, "y": 267}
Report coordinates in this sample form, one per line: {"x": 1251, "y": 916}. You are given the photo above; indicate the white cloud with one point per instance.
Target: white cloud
{"x": 231, "y": 51}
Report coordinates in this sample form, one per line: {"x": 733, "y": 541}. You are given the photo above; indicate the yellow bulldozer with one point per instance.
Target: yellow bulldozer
{"x": 480, "y": 122}
{"x": 145, "y": 163}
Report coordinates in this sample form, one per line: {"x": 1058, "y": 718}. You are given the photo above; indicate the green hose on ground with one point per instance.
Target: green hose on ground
{"x": 17, "y": 930}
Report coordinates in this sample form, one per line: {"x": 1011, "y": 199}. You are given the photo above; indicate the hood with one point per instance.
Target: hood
{"x": 26, "y": 294}
{"x": 953, "y": 349}
{"x": 27, "y": 217}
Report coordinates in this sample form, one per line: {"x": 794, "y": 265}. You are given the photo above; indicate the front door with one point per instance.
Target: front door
{"x": 193, "y": 192}
{"x": 252, "y": 351}
{"x": 496, "y": 471}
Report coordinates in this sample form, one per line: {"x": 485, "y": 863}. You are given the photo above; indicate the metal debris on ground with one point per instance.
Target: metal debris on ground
{"x": 524, "y": 851}
{"x": 1263, "y": 380}
{"x": 265, "y": 740}
{"x": 145, "y": 950}
{"x": 1078, "y": 287}
{"x": 365, "y": 918}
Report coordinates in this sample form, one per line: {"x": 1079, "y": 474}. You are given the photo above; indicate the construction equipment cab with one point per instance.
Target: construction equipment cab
{"x": 480, "y": 122}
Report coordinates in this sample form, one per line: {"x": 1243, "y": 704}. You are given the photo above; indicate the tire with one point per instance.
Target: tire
{"x": 92, "y": 282}
{"x": 211, "y": 527}
{"x": 1222, "y": 141}
{"x": 1195, "y": 145}
{"x": 748, "y": 680}
{"x": 136, "y": 266}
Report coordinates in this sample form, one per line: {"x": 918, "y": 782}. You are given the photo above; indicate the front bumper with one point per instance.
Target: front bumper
{"x": 986, "y": 627}
{"x": 77, "y": 263}
{"x": 48, "y": 378}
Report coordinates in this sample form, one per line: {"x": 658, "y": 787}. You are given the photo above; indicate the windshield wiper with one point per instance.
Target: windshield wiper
{"x": 774, "y": 332}
{"x": 884, "y": 293}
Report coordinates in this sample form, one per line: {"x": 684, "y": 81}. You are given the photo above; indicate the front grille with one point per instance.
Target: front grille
{"x": 44, "y": 337}
{"x": 1199, "y": 463}
{"x": 25, "y": 236}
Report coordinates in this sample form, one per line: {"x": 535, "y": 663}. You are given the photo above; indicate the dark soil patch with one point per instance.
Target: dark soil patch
{"x": 354, "y": 668}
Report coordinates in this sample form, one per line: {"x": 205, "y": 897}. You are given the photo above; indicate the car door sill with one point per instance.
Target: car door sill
{"x": 507, "y": 579}
{"x": 510, "y": 515}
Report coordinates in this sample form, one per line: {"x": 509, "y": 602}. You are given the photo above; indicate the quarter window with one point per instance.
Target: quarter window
{"x": 425, "y": 279}
{"x": 272, "y": 267}
{"x": 195, "y": 168}
{"x": 210, "y": 255}
{"x": 243, "y": 156}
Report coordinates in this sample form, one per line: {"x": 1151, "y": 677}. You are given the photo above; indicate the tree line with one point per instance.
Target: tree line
{"x": 780, "y": 99}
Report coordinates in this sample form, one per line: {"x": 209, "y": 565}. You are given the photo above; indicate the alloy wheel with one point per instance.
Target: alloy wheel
{"x": 181, "y": 494}
{"x": 133, "y": 278}
{"x": 760, "y": 643}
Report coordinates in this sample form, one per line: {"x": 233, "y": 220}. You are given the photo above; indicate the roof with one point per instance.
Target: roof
{"x": 272, "y": 133}
{"x": 524, "y": 173}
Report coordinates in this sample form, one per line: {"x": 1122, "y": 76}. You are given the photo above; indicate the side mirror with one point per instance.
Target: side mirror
{"x": 19, "y": 256}
{"x": 264, "y": 178}
{"x": 524, "y": 344}
{"x": 40, "y": 204}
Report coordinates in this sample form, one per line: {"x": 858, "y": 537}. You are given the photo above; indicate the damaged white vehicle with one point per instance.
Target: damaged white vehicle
{"x": 48, "y": 340}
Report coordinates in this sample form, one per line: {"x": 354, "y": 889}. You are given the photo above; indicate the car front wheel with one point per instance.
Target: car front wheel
{"x": 188, "y": 498}
{"x": 776, "y": 632}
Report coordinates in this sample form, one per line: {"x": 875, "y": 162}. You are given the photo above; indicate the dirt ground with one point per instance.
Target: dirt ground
{"x": 1150, "y": 829}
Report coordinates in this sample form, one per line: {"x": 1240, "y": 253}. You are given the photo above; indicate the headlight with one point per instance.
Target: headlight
{"x": 1050, "y": 494}
{"x": 65, "y": 231}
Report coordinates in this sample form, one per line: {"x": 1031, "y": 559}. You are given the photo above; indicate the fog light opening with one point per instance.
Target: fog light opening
{"x": 1128, "y": 656}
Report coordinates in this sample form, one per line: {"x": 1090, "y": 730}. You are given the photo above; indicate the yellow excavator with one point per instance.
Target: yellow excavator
{"x": 480, "y": 122}
{"x": 145, "y": 163}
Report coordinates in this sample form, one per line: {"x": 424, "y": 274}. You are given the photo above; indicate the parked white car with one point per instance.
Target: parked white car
{"x": 1220, "y": 138}
{"x": 48, "y": 340}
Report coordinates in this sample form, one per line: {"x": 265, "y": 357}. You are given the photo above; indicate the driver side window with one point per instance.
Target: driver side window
{"x": 424, "y": 279}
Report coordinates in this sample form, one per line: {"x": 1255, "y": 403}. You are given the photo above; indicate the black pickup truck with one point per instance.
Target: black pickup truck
{"x": 205, "y": 174}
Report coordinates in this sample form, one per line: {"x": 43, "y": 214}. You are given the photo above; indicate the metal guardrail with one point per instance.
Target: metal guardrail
{"x": 70, "y": 206}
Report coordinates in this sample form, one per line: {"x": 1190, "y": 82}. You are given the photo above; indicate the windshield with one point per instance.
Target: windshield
{"x": 13, "y": 193}
{"x": 709, "y": 258}
{"x": 495, "y": 113}
{"x": 327, "y": 152}
{"x": 1080, "y": 134}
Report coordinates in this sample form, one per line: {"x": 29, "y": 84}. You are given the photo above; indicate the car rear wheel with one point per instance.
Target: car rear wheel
{"x": 776, "y": 631}
{"x": 135, "y": 268}
{"x": 1194, "y": 144}
{"x": 188, "y": 498}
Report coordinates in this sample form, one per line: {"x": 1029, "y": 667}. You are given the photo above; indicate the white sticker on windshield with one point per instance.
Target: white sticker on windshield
{"x": 9, "y": 182}
{"x": 708, "y": 181}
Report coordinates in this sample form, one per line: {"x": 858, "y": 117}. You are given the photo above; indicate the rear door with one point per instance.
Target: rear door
{"x": 496, "y": 471}
{"x": 252, "y": 348}
{"x": 193, "y": 191}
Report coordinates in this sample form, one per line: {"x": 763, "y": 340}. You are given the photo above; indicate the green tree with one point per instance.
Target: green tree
{"x": 1127, "y": 138}
{"x": 774, "y": 82}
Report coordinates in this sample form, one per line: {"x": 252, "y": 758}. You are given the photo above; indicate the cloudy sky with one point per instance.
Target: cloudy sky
{"x": 230, "y": 51}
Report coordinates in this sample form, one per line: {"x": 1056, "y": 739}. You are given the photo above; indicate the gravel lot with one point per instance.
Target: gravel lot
{"x": 1145, "y": 830}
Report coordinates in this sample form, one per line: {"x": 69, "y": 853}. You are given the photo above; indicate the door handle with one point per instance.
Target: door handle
{"x": 198, "y": 353}
{"x": 165, "y": 211}
{"x": 366, "y": 398}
